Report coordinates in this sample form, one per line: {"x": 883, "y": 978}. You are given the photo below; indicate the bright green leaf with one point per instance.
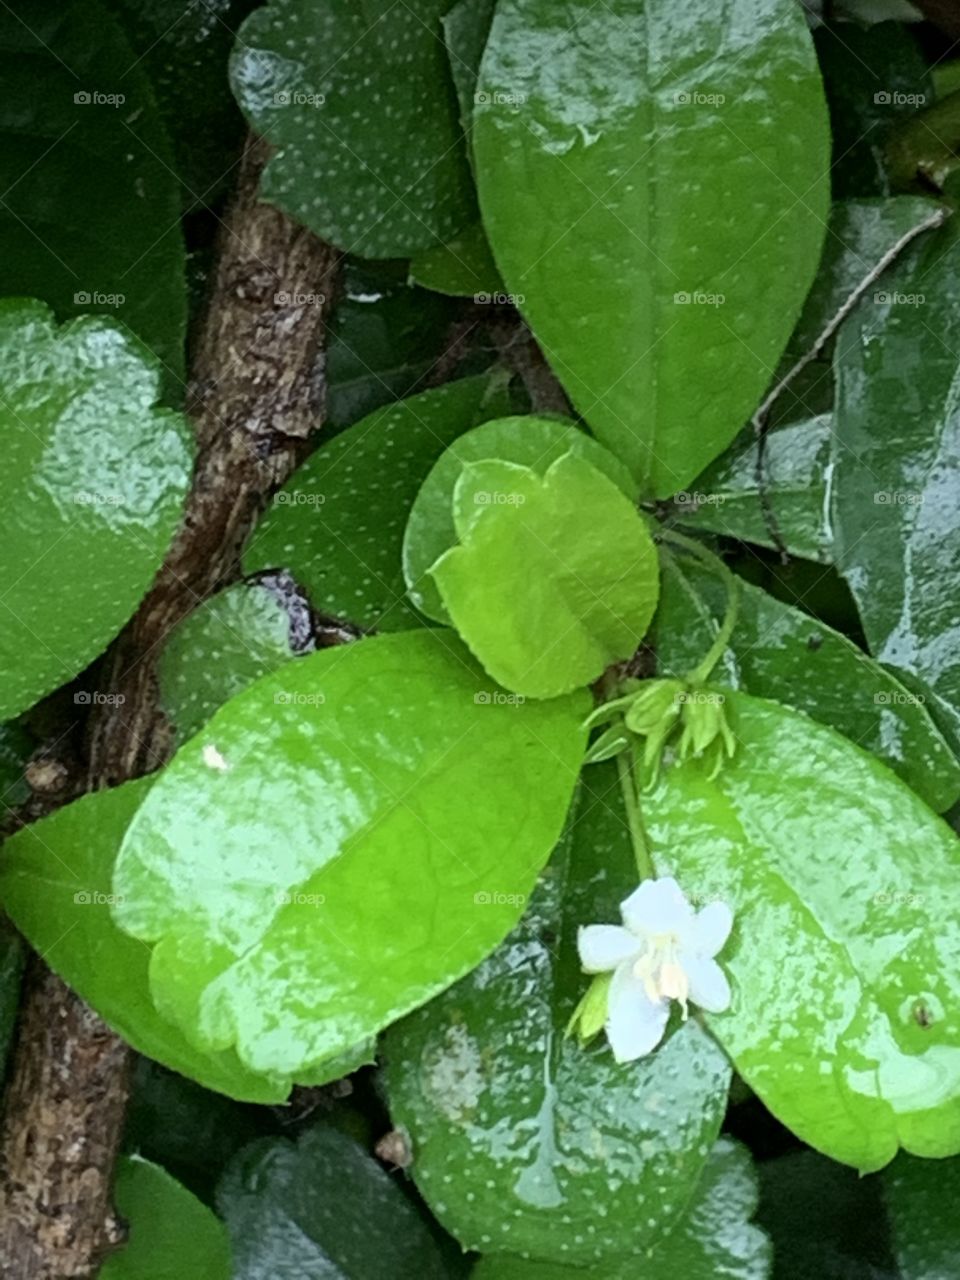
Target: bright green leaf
{"x": 323, "y": 1210}
{"x": 90, "y": 219}
{"x": 358, "y": 105}
{"x": 314, "y": 863}
{"x": 55, "y": 886}
{"x": 338, "y": 522}
{"x": 95, "y": 479}
{"x": 530, "y": 441}
{"x": 843, "y": 965}
{"x": 921, "y": 1198}
{"x": 601, "y": 168}
{"x": 555, "y": 576}
{"x": 522, "y": 1140}
{"x": 173, "y": 1235}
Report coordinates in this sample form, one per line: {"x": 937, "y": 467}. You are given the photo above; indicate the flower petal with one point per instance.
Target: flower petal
{"x": 712, "y": 928}
{"x": 658, "y": 906}
{"x": 604, "y": 946}
{"x": 635, "y": 1023}
{"x": 709, "y": 987}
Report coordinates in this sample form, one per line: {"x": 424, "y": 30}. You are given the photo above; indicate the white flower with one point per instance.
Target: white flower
{"x": 663, "y": 951}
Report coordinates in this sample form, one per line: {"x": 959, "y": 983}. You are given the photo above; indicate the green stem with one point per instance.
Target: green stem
{"x": 626, "y": 769}
{"x": 702, "y": 671}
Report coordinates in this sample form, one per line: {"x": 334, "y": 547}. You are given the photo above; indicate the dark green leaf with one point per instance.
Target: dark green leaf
{"x": 463, "y": 266}
{"x": 921, "y": 1198}
{"x": 523, "y": 1140}
{"x": 16, "y": 746}
{"x": 95, "y": 482}
{"x": 606, "y": 138}
{"x": 311, "y": 865}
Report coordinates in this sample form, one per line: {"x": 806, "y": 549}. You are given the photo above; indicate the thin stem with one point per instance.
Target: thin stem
{"x": 626, "y": 769}
{"x": 702, "y": 671}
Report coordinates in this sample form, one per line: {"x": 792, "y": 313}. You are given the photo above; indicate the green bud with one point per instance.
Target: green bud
{"x": 705, "y": 731}
{"x": 657, "y": 702}
{"x": 590, "y": 1014}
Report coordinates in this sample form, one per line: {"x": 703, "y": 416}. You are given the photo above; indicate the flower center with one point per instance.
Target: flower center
{"x": 660, "y": 970}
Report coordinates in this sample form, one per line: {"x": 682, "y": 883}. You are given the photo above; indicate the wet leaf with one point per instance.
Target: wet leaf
{"x": 843, "y": 967}
{"x": 600, "y": 170}
{"x": 523, "y": 1141}
{"x": 555, "y": 577}
{"x": 55, "y": 886}
{"x": 173, "y": 1235}
{"x": 338, "y": 522}
{"x": 322, "y": 1208}
{"x": 781, "y": 653}
{"x": 921, "y": 1197}
{"x": 79, "y": 119}
{"x": 95, "y": 483}
{"x": 359, "y": 107}
{"x": 298, "y": 908}
{"x": 531, "y": 441}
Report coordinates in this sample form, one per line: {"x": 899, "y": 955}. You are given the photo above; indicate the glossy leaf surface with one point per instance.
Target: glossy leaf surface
{"x": 297, "y": 910}
{"x": 843, "y": 968}
{"x": 523, "y": 1141}
{"x": 95, "y": 480}
{"x": 554, "y": 578}
{"x": 630, "y": 173}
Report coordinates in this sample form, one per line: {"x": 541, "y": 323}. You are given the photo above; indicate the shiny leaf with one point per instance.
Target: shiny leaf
{"x": 95, "y": 479}
{"x": 921, "y": 1198}
{"x": 308, "y": 867}
{"x": 601, "y": 169}
{"x": 358, "y": 105}
{"x": 555, "y": 576}
{"x": 523, "y": 1141}
{"x": 338, "y": 522}
{"x": 55, "y": 886}
{"x": 843, "y": 966}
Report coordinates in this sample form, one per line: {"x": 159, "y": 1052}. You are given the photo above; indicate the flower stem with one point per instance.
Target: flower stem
{"x": 702, "y": 671}
{"x": 626, "y": 769}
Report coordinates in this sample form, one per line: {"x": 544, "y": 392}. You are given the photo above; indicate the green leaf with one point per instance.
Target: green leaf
{"x": 921, "y": 1200}
{"x": 600, "y": 170}
{"x": 715, "y": 1237}
{"x": 322, "y": 1208}
{"x": 309, "y": 869}
{"x": 55, "y": 886}
{"x": 896, "y": 521}
{"x": 224, "y": 645}
{"x": 555, "y": 576}
{"x": 845, "y": 1016}
{"x": 95, "y": 482}
{"x": 12, "y": 960}
{"x": 338, "y": 522}
{"x": 79, "y": 120}
{"x": 530, "y": 441}
{"x": 466, "y": 29}
{"x": 780, "y": 653}
{"x": 359, "y": 107}
{"x": 16, "y": 747}
{"x": 173, "y": 1236}
{"x": 726, "y": 498}
{"x": 523, "y": 1141}
{"x": 464, "y": 266}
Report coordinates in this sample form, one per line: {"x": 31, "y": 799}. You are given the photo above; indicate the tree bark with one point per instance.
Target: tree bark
{"x": 256, "y": 394}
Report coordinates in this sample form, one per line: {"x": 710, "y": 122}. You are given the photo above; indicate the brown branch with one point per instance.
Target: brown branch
{"x": 256, "y": 394}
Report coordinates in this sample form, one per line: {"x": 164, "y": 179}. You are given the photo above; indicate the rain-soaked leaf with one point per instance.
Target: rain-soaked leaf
{"x": 921, "y": 1197}
{"x": 524, "y": 1141}
{"x": 555, "y": 576}
{"x": 313, "y": 864}
{"x": 715, "y": 1237}
{"x": 531, "y": 441}
{"x": 602, "y": 167}
{"x": 844, "y": 968}
{"x": 94, "y": 482}
{"x": 338, "y": 522}
{"x": 322, "y": 1209}
{"x": 173, "y": 1235}
{"x": 55, "y": 884}
{"x": 781, "y": 653}
{"x": 79, "y": 120}
{"x": 358, "y": 104}
{"x": 895, "y": 511}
